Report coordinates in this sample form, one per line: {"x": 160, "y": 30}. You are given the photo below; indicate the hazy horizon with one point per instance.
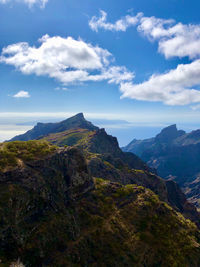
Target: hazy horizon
{"x": 124, "y": 130}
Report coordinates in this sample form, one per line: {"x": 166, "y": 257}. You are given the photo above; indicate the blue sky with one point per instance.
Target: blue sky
{"x": 43, "y": 77}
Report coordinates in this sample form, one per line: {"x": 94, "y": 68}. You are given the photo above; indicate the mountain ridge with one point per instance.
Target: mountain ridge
{"x": 42, "y": 129}
{"x": 108, "y": 161}
{"x": 54, "y": 213}
{"x": 104, "y": 206}
{"x": 175, "y": 156}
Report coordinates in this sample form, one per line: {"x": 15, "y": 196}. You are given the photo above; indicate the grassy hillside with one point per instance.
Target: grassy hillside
{"x": 53, "y": 213}
{"x": 14, "y": 153}
{"x": 113, "y": 225}
{"x": 72, "y": 137}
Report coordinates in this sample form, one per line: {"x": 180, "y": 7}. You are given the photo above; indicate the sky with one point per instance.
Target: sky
{"x": 131, "y": 66}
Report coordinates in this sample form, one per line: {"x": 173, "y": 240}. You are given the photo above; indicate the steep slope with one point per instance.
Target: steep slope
{"x": 95, "y": 142}
{"x": 42, "y": 129}
{"x": 175, "y": 155}
{"x": 106, "y": 160}
{"x": 52, "y": 213}
{"x": 167, "y": 136}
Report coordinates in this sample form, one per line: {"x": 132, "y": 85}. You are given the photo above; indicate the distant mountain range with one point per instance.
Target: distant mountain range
{"x": 72, "y": 197}
{"x": 175, "y": 155}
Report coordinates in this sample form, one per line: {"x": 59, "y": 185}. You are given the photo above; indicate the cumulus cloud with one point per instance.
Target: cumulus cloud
{"x": 176, "y": 87}
{"x": 97, "y": 23}
{"x": 30, "y": 3}
{"x": 179, "y": 86}
{"x": 174, "y": 40}
{"x": 65, "y": 59}
{"x": 22, "y": 94}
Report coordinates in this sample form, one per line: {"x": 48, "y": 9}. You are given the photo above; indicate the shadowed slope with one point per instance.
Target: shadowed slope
{"x": 175, "y": 155}
{"x": 54, "y": 214}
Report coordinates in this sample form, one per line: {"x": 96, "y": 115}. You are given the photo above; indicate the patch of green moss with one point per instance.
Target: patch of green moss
{"x": 138, "y": 171}
{"x": 12, "y": 152}
{"x": 77, "y": 137}
{"x": 108, "y": 164}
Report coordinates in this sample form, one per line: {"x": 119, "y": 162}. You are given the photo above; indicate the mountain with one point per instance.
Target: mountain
{"x": 106, "y": 160}
{"x": 169, "y": 134}
{"x": 53, "y": 212}
{"x": 175, "y": 155}
{"x": 42, "y": 129}
{"x": 82, "y": 133}
{"x": 104, "y": 206}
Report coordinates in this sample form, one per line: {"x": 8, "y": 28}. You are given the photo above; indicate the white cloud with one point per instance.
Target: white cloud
{"x": 65, "y": 59}
{"x": 22, "y": 94}
{"x": 97, "y": 23}
{"x": 175, "y": 87}
{"x": 174, "y": 40}
{"x": 30, "y": 3}
{"x": 179, "y": 86}
{"x": 61, "y": 88}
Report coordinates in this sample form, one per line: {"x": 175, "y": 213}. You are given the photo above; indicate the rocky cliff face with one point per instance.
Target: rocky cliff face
{"x": 96, "y": 142}
{"x": 102, "y": 205}
{"x": 53, "y": 213}
{"x": 106, "y": 160}
{"x": 65, "y": 168}
{"x": 175, "y": 155}
{"x": 34, "y": 191}
{"x": 168, "y": 134}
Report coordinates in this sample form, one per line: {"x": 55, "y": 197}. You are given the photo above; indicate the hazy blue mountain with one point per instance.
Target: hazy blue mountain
{"x": 175, "y": 155}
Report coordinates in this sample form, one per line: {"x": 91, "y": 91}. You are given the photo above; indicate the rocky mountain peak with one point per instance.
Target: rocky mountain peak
{"x": 44, "y": 129}
{"x": 77, "y": 117}
{"x": 169, "y": 134}
{"x": 195, "y": 134}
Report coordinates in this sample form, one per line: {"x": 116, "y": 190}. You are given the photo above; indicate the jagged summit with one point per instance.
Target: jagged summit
{"x": 170, "y": 128}
{"x": 43, "y": 129}
{"x": 169, "y": 133}
{"x": 80, "y": 115}
{"x": 175, "y": 154}
{"x": 77, "y": 117}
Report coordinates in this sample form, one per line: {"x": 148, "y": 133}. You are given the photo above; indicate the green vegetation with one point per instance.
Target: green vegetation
{"x": 16, "y": 152}
{"x": 54, "y": 215}
{"x": 78, "y": 137}
{"x": 138, "y": 171}
{"x": 112, "y": 225}
{"x": 108, "y": 165}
